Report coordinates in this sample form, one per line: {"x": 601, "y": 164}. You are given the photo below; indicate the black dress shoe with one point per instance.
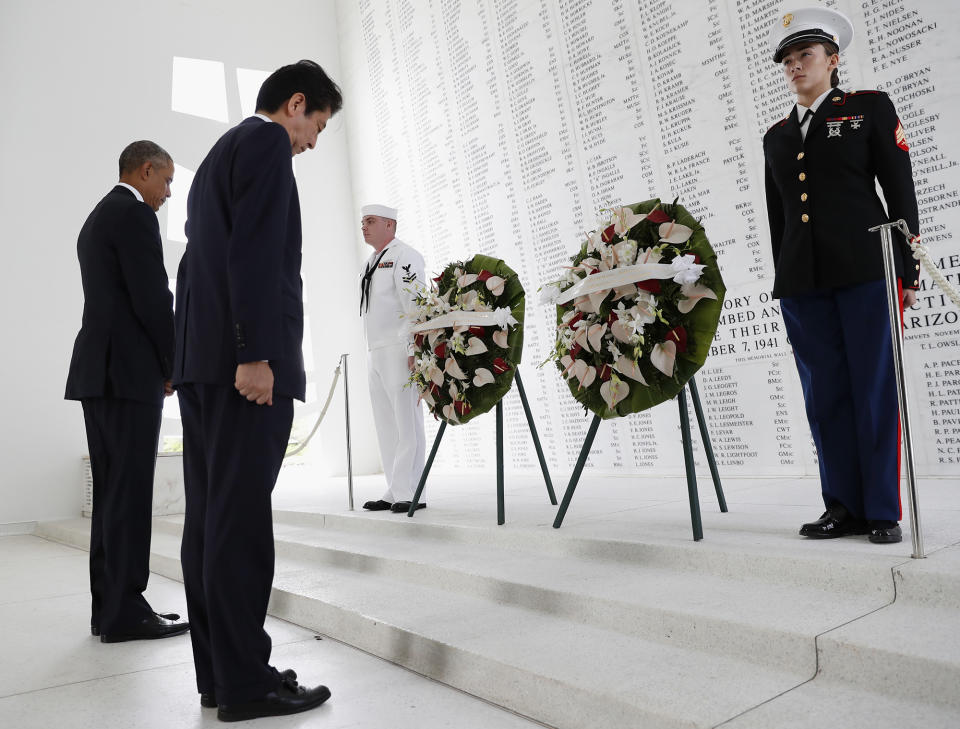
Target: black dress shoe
{"x": 289, "y": 698}
{"x": 885, "y": 532}
{"x": 148, "y": 629}
{"x": 95, "y": 629}
{"x": 380, "y": 505}
{"x": 404, "y": 506}
{"x": 835, "y": 522}
{"x": 209, "y": 700}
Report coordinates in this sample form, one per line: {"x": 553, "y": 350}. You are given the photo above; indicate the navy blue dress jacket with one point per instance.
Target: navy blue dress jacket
{"x": 822, "y": 195}
{"x": 239, "y": 293}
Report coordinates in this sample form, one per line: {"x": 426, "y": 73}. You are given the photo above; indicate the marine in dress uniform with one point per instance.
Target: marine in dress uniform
{"x": 386, "y": 295}
{"x": 822, "y": 164}
{"x": 120, "y": 371}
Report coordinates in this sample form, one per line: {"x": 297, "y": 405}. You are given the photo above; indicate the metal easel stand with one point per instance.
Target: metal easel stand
{"x": 692, "y": 493}
{"x": 499, "y": 411}
{"x": 896, "y": 338}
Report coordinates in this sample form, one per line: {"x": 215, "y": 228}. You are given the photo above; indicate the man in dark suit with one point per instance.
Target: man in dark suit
{"x": 823, "y": 163}
{"x": 120, "y": 372}
{"x": 239, "y": 365}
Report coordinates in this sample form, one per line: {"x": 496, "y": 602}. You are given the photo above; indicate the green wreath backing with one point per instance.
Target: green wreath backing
{"x": 587, "y": 348}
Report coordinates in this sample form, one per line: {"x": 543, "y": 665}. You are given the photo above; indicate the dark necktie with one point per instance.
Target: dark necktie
{"x": 366, "y": 281}
{"x": 806, "y": 116}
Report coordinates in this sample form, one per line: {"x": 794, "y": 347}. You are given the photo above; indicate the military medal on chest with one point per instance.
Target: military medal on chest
{"x": 835, "y": 124}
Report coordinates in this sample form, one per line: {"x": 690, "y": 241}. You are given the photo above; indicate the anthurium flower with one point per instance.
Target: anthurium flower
{"x": 624, "y": 219}
{"x": 450, "y": 414}
{"x": 567, "y": 361}
{"x": 440, "y": 350}
{"x": 674, "y": 233}
{"x": 453, "y": 369}
{"x": 583, "y": 303}
{"x": 428, "y": 398}
{"x": 651, "y": 285}
{"x": 626, "y": 366}
{"x": 418, "y": 339}
{"x": 466, "y": 279}
{"x": 495, "y": 284}
{"x": 500, "y": 338}
{"x": 678, "y": 335}
{"x": 484, "y": 275}
{"x": 597, "y": 297}
{"x": 693, "y": 293}
{"x": 657, "y": 216}
{"x": 468, "y": 302}
{"x": 435, "y": 375}
{"x": 605, "y": 372}
{"x": 476, "y": 331}
{"x": 482, "y": 377}
{"x": 475, "y": 346}
{"x": 622, "y": 331}
{"x": 580, "y": 338}
{"x": 572, "y": 317}
{"x": 608, "y": 233}
{"x": 585, "y": 373}
{"x": 461, "y": 407}
{"x": 500, "y": 366}
{"x": 649, "y": 255}
{"x": 433, "y": 335}
{"x": 686, "y": 269}
{"x": 595, "y": 336}
{"x": 614, "y": 391}
{"x": 664, "y": 356}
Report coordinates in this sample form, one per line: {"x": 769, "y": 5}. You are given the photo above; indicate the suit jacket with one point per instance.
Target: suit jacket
{"x": 239, "y": 293}
{"x": 125, "y": 345}
{"x": 822, "y": 197}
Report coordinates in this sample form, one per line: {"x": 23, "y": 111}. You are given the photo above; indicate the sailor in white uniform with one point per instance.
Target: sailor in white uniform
{"x": 387, "y": 286}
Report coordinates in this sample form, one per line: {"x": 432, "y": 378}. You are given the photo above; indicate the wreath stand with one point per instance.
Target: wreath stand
{"x": 695, "y": 520}
{"x": 536, "y": 444}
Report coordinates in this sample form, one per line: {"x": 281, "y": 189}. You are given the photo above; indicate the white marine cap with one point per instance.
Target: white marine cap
{"x": 810, "y": 24}
{"x": 382, "y": 211}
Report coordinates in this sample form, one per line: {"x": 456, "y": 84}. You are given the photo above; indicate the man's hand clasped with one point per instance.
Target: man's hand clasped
{"x": 254, "y": 381}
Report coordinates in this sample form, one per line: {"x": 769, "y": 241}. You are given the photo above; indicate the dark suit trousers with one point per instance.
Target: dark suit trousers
{"x": 122, "y": 439}
{"x": 841, "y": 343}
{"x": 233, "y": 450}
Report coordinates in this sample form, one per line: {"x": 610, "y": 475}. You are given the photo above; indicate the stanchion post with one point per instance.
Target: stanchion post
{"x": 896, "y": 338}
{"x": 500, "y": 509}
{"x": 346, "y": 411}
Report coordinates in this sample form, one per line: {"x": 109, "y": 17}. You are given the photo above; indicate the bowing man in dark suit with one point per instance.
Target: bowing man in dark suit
{"x": 120, "y": 371}
{"x": 822, "y": 166}
{"x": 239, "y": 365}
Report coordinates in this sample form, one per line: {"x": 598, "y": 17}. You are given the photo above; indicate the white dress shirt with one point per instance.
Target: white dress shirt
{"x": 802, "y": 112}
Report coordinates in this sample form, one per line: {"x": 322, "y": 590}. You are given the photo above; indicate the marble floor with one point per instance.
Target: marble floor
{"x": 55, "y": 675}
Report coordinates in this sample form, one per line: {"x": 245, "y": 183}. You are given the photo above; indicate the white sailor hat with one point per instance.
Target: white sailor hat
{"x": 810, "y": 24}
{"x": 382, "y": 211}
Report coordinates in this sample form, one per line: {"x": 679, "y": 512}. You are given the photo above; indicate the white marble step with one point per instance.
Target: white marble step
{"x": 583, "y": 632}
